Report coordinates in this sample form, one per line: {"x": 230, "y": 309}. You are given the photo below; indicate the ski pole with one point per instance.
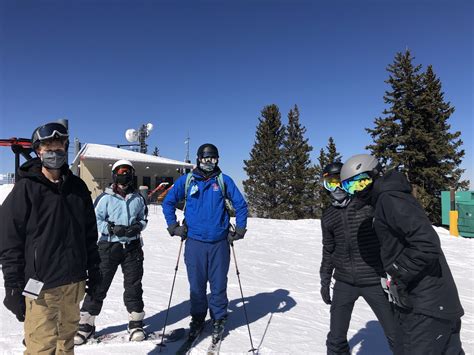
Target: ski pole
{"x": 243, "y": 301}
{"x": 171, "y": 294}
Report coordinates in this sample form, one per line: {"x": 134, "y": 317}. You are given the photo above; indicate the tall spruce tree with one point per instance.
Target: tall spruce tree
{"x": 389, "y": 132}
{"x": 265, "y": 166}
{"x": 298, "y": 187}
{"x": 415, "y": 133}
{"x": 439, "y": 169}
{"x": 331, "y": 155}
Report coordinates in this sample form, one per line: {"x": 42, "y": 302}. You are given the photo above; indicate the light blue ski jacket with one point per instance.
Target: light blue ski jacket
{"x": 111, "y": 207}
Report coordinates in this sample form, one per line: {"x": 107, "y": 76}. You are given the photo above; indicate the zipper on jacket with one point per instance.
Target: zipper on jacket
{"x": 349, "y": 241}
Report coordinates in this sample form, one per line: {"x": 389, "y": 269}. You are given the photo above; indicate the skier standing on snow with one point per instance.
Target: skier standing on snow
{"x": 48, "y": 245}
{"x": 427, "y": 307}
{"x": 352, "y": 251}
{"x": 121, "y": 215}
{"x": 208, "y": 233}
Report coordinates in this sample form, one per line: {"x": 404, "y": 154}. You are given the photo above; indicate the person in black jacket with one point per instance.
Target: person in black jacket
{"x": 48, "y": 238}
{"x": 351, "y": 250}
{"x": 427, "y": 306}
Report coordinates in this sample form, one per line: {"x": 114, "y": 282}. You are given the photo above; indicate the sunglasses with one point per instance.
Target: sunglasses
{"x": 357, "y": 183}
{"x": 331, "y": 182}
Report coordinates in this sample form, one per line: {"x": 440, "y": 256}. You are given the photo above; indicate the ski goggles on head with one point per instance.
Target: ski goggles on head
{"x": 357, "y": 183}
{"x": 51, "y": 131}
{"x": 212, "y": 160}
{"x": 331, "y": 182}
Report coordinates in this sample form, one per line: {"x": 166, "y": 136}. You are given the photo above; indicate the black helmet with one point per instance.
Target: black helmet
{"x": 332, "y": 168}
{"x": 207, "y": 150}
{"x": 49, "y": 131}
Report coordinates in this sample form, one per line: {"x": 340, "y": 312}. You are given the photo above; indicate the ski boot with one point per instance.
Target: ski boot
{"x": 195, "y": 327}
{"x": 135, "y": 326}
{"x": 86, "y": 328}
{"x": 218, "y": 327}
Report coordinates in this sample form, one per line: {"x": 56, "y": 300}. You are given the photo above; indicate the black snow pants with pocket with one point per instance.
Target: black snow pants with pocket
{"x": 130, "y": 258}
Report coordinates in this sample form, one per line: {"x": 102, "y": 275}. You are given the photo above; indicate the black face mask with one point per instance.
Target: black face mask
{"x": 339, "y": 198}
{"x": 124, "y": 179}
{"x": 54, "y": 159}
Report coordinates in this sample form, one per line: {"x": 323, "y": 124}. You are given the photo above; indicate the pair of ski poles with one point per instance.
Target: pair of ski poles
{"x": 241, "y": 293}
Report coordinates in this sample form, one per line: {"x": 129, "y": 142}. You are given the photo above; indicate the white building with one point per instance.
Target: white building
{"x": 94, "y": 162}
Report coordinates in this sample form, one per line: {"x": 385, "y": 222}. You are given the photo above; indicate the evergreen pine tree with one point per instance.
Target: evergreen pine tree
{"x": 415, "y": 133}
{"x": 298, "y": 188}
{"x": 389, "y": 131}
{"x": 438, "y": 167}
{"x": 265, "y": 166}
{"x": 156, "y": 152}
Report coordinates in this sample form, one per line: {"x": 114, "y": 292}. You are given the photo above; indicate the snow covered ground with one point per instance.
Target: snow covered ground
{"x": 279, "y": 265}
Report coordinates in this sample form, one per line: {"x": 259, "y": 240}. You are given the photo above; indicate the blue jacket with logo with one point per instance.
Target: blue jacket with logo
{"x": 205, "y": 214}
{"x": 111, "y": 207}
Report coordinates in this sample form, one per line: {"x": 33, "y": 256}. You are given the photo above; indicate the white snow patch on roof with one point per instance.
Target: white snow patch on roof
{"x": 104, "y": 152}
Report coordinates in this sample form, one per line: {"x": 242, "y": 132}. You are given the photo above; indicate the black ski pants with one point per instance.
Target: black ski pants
{"x": 130, "y": 258}
{"x": 344, "y": 297}
{"x": 420, "y": 334}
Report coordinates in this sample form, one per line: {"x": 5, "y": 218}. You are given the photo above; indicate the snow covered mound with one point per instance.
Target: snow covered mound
{"x": 279, "y": 265}
{"x": 4, "y": 191}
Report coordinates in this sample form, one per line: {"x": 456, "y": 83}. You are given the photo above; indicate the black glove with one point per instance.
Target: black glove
{"x": 119, "y": 230}
{"x": 110, "y": 227}
{"x": 94, "y": 279}
{"x": 176, "y": 229}
{"x": 15, "y": 302}
{"x": 133, "y": 230}
{"x": 325, "y": 284}
{"x": 236, "y": 234}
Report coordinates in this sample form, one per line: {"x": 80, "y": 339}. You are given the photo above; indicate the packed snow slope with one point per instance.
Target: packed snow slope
{"x": 279, "y": 264}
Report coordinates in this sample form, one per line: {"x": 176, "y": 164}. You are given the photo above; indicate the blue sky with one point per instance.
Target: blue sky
{"x": 209, "y": 67}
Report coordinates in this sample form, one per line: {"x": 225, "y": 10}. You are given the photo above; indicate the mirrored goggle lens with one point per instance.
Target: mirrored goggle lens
{"x": 52, "y": 130}
{"x": 331, "y": 183}
{"x": 212, "y": 160}
{"x": 124, "y": 170}
{"x": 357, "y": 183}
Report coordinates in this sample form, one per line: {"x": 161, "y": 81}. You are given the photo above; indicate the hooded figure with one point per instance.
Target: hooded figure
{"x": 426, "y": 301}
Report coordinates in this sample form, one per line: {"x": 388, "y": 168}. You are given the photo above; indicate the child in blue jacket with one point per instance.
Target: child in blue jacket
{"x": 121, "y": 214}
{"x": 208, "y": 233}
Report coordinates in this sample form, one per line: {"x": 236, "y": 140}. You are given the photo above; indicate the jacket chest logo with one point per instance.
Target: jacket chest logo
{"x": 215, "y": 187}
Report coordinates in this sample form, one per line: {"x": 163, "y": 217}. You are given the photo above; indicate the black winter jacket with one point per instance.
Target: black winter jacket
{"x": 48, "y": 231}
{"x": 411, "y": 251}
{"x": 350, "y": 246}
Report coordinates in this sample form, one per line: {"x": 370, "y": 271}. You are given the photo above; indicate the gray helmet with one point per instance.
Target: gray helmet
{"x": 360, "y": 163}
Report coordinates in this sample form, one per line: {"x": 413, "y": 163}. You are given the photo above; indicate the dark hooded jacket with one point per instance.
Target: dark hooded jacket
{"x": 411, "y": 251}
{"x": 48, "y": 231}
{"x": 350, "y": 246}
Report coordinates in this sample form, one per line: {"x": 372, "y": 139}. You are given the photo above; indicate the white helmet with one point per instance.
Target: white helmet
{"x": 121, "y": 163}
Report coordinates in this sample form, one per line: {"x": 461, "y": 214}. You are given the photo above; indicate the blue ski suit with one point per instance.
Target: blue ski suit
{"x": 207, "y": 252}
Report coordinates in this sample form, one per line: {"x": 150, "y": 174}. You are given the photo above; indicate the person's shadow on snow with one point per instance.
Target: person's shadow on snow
{"x": 372, "y": 340}
{"x": 258, "y": 306}
{"x": 154, "y": 322}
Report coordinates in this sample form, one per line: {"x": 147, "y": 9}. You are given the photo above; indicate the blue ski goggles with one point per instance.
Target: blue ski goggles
{"x": 357, "y": 183}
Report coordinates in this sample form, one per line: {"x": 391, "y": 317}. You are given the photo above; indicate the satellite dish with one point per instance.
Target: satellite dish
{"x": 149, "y": 127}
{"x": 131, "y": 135}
